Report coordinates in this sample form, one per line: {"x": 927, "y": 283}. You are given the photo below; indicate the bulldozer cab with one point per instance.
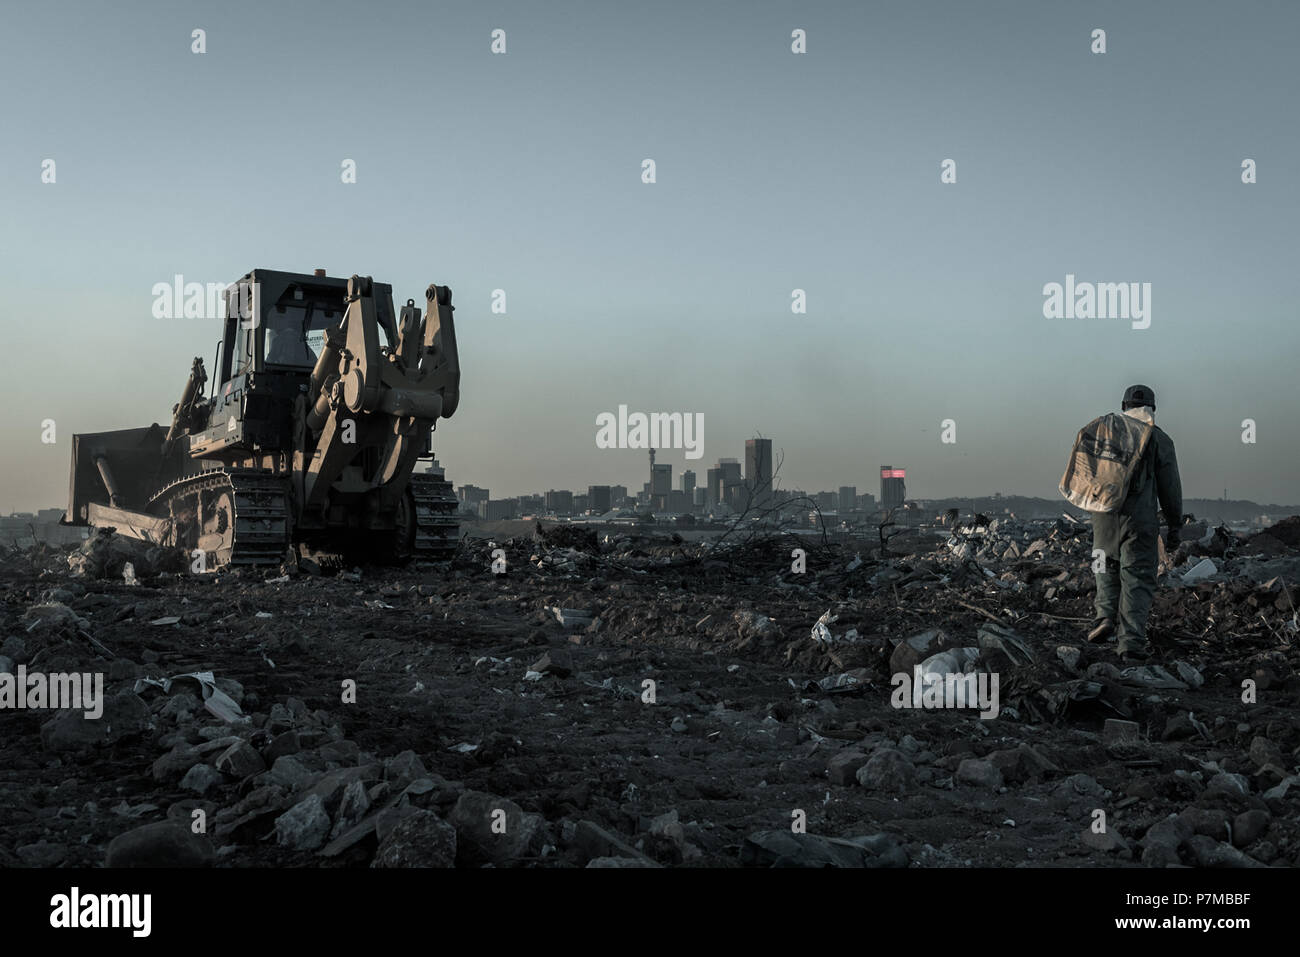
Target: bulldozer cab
{"x": 276, "y": 322}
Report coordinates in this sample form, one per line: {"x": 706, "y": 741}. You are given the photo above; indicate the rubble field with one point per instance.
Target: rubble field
{"x": 628, "y": 700}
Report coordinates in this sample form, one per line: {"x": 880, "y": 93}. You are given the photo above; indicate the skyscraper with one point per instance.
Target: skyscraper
{"x": 848, "y": 498}
{"x": 598, "y": 498}
{"x": 758, "y": 470}
{"x": 892, "y": 490}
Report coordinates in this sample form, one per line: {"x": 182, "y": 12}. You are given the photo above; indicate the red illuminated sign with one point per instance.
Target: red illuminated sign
{"x": 893, "y": 473}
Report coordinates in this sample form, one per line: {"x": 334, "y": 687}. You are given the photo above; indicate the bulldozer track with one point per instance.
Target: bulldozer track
{"x": 259, "y": 501}
{"x": 436, "y": 527}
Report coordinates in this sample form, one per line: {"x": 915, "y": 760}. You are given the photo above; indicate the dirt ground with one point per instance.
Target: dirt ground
{"x": 679, "y": 722}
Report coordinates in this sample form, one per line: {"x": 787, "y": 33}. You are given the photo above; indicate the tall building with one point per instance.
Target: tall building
{"x": 688, "y": 483}
{"x": 724, "y": 478}
{"x": 712, "y": 484}
{"x": 892, "y": 489}
{"x": 848, "y": 499}
{"x": 471, "y": 496}
{"x": 496, "y": 509}
{"x": 618, "y": 495}
{"x": 758, "y": 470}
{"x": 559, "y": 501}
{"x": 598, "y": 498}
{"x": 661, "y": 480}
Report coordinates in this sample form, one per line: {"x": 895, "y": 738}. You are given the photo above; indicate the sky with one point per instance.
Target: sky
{"x": 774, "y": 171}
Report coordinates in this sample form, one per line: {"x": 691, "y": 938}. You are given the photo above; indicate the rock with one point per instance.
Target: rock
{"x": 1109, "y": 841}
{"x": 15, "y": 648}
{"x": 913, "y": 650}
{"x": 352, "y": 807}
{"x": 332, "y": 786}
{"x": 1069, "y": 656}
{"x": 180, "y": 707}
{"x": 668, "y": 829}
{"x": 620, "y": 862}
{"x": 1224, "y": 783}
{"x": 980, "y": 773}
{"x": 842, "y": 768}
{"x": 164, "y": 844}
{"x": 1200, "y": 571}
{"x": 291, "y": 773}
{"x": 1116, "y": 731}
{"x": 1162, "y": 840}
{"x": 105, "y": 553}
{"x": 304, "y": 826}
{"x": 173, "y": 765}
{"x": 555, "y": 662}
{"x": 753, "y": 628}
{"x": 339, "y": 752}
{"x": 283, "y": 744}
{"x": 421, "y": 840}
{"x": 403, "y": 768}
{"x": 1103, "y": 670}
{"x": 492, "y": 829}
{"x": 1211, "y": 853}
{"x": 1206, "y": 821}
{"x": 42, "y": 854}
{"x": 783, "y": 848}
{"x": 1179, "y": 727}
{"x": 70, "y": 730}
{"x": 596, "y": 842}
{"x": 240, "y": 761}
{"x": 1082, "y": 785}
{"x": 1021, "y": 763}
{"x": 1264, "y": 752}
{"x": 53, "y": 617}
{"x": 1189, "y": 675}
{"x": 887, "y": 770}
{"x": 6, "y": 665}
{"x": 1279, "y": 792}
{"x": 1248, "y": 827}
{"x": 200, "y": 778}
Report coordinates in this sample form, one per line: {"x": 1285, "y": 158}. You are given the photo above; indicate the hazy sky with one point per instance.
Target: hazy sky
{"x": 775, "y": 171}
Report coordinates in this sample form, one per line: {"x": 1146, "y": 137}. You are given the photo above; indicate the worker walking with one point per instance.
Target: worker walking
{"x": 1128, "y": 538}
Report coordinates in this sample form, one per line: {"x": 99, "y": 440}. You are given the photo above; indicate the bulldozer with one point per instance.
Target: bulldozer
{"x": 323, "y": 405}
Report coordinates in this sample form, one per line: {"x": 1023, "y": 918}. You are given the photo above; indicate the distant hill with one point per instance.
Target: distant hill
{"x": 1210, "y": 509}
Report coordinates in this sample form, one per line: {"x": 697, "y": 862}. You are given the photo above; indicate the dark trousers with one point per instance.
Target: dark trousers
{"x": 1127, "y": 586}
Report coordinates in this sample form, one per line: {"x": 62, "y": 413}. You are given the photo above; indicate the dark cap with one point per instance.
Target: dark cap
{"x": 1138, "y": 395}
